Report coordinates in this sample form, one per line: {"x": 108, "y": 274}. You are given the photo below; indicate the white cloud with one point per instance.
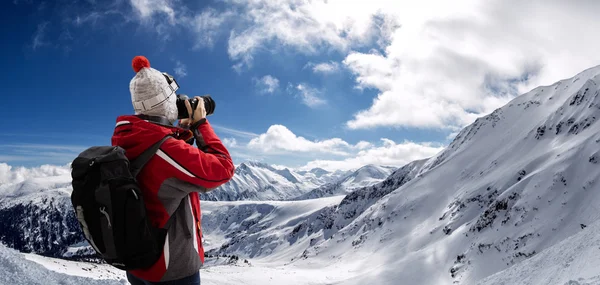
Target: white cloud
{"x": 372, "y": 70}
{"x": 267, "y": 84}
{"x": 10, "y": 174}
{"x": 207, "y": 26}
{"x": 388, "y": 153}
{"x": 180, "y": 69}
{"x": 324, "y": 67}
{"x": 230, "y": 142}
{"x": 305, "y": 26}
{"x": 310, "y": 96}
{"x": 363, "y": 145}
{"x": 279, "y": 139}
{"x": 445, "y": 67}
{"x": 146, "y": 9}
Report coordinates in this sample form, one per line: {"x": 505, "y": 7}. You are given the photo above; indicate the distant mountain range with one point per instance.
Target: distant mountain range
{"x": 258, "y": 182}
{"x": 36, "y": 214}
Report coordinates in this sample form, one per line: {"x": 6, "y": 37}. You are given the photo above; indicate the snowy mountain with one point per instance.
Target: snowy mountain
{"x": 320, "y": 176}
{"x": 286, "y": 228}
{"x": 259, "y": 181}
{"x": 510, "y": 187}
{"x": 36, "y": 216}
{"x": 365, "y": 176}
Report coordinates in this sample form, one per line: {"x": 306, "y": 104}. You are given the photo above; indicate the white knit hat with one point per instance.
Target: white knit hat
{"x": 151, "y": 94}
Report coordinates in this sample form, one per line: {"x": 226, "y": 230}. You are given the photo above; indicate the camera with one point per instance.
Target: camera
{"x": 182, "y": 112}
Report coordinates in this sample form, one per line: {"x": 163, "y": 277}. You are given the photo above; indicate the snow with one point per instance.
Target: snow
{"x": 260, "y": 229}
{"x": 17, "y": 268}
{"x": 573, "y": 261}
{"x": 365, "y": 176}
{"x": 259, "y": 182}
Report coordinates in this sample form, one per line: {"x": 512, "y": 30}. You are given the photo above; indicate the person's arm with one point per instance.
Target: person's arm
{"x": 209, "y": 165}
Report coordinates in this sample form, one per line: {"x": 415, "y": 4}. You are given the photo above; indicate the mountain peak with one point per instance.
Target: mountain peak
{"x": 319, "y": 171}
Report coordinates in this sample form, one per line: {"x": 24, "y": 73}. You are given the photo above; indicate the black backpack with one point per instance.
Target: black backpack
{"x": 110, "y": 208}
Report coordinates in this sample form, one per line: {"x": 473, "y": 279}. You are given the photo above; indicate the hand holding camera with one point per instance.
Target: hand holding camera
{"x": 193, "y": 110}
{"x": 199, "y": 110}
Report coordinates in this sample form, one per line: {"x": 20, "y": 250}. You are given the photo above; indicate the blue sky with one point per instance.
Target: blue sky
{"x": 301, "y": 84}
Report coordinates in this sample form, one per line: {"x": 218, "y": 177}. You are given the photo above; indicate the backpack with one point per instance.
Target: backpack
{"x": 109, "y": 206}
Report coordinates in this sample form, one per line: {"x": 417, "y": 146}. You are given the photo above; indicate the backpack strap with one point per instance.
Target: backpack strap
{"x": 137, "y": 164}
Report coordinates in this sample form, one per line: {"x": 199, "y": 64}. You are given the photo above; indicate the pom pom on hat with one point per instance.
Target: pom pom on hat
{"x": 139, "y": 62}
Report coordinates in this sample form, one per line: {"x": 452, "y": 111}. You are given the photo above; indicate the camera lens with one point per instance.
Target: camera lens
{"x": 209, "y": 104}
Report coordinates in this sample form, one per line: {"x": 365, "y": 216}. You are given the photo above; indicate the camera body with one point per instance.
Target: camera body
{"x": 182, "y": 112}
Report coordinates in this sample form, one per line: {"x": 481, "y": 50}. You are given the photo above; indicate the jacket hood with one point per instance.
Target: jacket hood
{"x": 135, "y": 134}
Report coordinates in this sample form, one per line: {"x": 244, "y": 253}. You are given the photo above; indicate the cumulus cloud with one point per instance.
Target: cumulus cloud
{"x": 278, "y": 138}
{"x": 363, "y": 145}
{"x": 267, "y": 84}
{"x": 10, "y": 174}
{"x": 443, "y": 68}
{"x": 387, "y": 153}
{"x": 230, "y": 142}
{"x": 280, "y": 141}
{"x": 310, "y": 96}
{"x": 324, "y": 67}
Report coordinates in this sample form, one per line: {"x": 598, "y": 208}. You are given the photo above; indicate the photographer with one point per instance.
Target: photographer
{"x": 172, "y": 178}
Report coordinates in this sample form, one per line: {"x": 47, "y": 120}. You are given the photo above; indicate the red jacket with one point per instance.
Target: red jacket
{"x": 170, "y": 182}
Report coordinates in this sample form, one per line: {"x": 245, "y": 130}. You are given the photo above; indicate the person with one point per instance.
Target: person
{"x": 173, "y": 177}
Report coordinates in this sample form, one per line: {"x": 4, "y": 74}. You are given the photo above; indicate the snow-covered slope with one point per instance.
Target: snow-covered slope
{"x": 511, "y": 185}
{"x": 573, "y": 261}
{"x": 17, "y": 269}
{"x": 283, "y": 230}
{"x": 320, "y": 176}
{"x": 36, "y": 215}
{"x": 259, "y": 181}
{"x": 259, "y": 229}
{"x": 365, "y": 176}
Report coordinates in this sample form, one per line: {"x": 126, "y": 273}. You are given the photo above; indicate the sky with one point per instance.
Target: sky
{"x": 335, "y": 84}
